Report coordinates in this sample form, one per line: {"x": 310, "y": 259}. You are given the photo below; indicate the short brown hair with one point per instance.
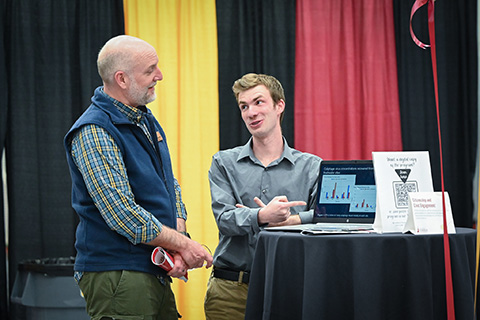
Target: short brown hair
{"x": 251, "y": 80}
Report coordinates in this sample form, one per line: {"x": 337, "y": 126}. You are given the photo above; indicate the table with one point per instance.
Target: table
{"x": 360, "y": 276}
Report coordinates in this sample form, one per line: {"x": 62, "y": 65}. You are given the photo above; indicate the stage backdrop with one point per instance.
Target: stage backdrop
{"x": 351, "y": 83}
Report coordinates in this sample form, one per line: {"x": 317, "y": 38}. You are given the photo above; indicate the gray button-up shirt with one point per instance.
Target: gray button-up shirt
{"x": 237, "y": 176}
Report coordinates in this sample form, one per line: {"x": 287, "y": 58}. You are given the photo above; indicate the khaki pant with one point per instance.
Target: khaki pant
{"x": 225, "y": 299}
{"x": 127, "y": 295}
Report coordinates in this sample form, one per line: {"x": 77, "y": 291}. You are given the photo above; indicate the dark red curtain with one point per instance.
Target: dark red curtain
{"x": 346, "y": 94}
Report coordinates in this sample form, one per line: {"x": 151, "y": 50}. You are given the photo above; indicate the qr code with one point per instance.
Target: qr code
{"x": 401, "y": 191}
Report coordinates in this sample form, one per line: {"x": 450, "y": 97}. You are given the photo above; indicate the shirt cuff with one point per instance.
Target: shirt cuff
{"x": 256, "y": 226}
{"x": 306, "y": 216}
{"x": 156, "y": 229}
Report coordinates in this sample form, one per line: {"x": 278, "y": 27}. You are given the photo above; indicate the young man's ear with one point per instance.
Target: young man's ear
{"x": 281, "y": 105}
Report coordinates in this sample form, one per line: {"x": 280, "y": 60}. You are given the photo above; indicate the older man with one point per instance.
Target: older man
{"x": 125, "y": 194}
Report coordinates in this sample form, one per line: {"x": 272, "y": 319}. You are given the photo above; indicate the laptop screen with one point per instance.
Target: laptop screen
{"x": 346, "y": 192}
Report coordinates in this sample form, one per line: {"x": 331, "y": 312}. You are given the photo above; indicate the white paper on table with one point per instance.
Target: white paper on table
{"x": 425, "y": 214}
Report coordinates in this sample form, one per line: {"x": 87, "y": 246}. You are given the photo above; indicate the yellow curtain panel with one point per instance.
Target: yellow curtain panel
{"x": 185, "y": 36}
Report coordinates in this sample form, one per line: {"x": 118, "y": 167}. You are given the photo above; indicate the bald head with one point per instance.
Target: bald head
{"x": 120, "y": 53}
{"x": 129, "y": 69}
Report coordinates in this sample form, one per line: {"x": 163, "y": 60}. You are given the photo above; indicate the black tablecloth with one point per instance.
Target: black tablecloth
{"x": 360, "y": 276}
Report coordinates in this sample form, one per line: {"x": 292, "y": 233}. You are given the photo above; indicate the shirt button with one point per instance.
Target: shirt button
{"x": 264, "y": 191}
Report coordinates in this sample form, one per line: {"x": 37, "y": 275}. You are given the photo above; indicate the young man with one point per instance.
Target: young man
{"x": 251, "y": 187}
{"x": 125, "y": 194}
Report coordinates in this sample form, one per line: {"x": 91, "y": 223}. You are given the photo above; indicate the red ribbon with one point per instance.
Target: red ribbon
{"x": 446, "y": 244}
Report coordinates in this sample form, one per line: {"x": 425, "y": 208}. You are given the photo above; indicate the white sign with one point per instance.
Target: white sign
{"x": 396, "y": 175}
{"x": 425, "y": 213}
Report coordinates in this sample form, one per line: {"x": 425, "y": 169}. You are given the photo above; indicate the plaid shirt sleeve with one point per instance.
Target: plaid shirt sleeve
{"x": 181, "y": 210}
{"x": 99, "y": 159}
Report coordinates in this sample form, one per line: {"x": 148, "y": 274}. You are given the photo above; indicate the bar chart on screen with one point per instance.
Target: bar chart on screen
{"x": 338, "y": 188}
{"x": 364, "y": 198}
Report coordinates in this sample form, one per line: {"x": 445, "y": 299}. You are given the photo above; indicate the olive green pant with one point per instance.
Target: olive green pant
{"x": 225, "y": 299}
{"x": 128, "y": 295}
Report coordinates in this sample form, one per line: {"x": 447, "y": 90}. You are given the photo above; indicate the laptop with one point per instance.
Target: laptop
{"x": 345, "y": 201}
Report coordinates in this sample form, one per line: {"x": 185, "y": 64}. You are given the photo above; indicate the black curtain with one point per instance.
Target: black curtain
{"x": 3, "y": 132}
{"x": 254, "y": 36}
{"x": 456, "y": 41}
{"x": 51, "y": 48}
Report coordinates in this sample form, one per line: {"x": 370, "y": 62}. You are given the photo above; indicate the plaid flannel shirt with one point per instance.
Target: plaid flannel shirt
{"x": 99, "y": 159}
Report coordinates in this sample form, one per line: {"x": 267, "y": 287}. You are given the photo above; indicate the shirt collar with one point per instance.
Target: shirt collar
{"x": 247, "y": 151}
{"x": 133, "y": 114}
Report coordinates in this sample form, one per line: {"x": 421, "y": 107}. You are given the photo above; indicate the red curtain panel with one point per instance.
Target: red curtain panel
{"x": 346, "y": 90}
